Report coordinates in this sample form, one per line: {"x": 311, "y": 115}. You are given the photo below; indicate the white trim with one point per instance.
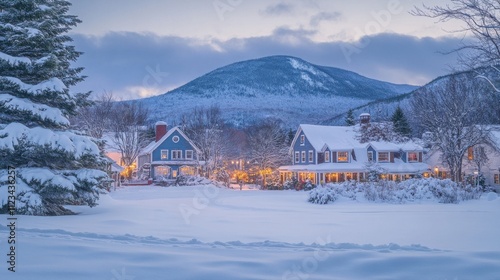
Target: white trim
{"x": 408, "y": 157}
{"x": 296, "y": 158}
{"x": 303, "y": 157}
{"x": 192, "y": 154}
{"x": 310, "y": 156}
{"x": 178, "y": 153}
{"x": 348, "y": 157}
{"x": 388, "y": 157}
{"x": 161, "y": 154}
{"x": 176, "y": 139}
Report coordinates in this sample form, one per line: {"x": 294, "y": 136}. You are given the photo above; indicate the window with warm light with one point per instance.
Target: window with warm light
{"x": 164, "y": 154}
{"x": 297, "y": 157}
{"x": 303, "y": 156}
{"x": 412, "y": 157}
{"x": 470, "y": 153}
{"x": 383, "y": 157}
{"x": 496, "y": 180}
{"x": 311, "y": 156}
{"x": 342, "y": 157}
{"x": 327, "y": 156}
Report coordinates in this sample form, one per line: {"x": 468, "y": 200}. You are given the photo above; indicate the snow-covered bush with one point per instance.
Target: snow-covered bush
{"x": 443, "y": 191}
{"x": 322, "y": 195}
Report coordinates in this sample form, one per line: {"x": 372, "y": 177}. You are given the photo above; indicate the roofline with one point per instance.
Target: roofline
{"x": 176, "y": 128}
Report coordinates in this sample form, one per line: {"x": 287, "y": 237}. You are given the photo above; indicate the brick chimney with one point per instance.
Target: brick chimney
{"x": 160, "y": 130}
{"x": 364, "y": 118}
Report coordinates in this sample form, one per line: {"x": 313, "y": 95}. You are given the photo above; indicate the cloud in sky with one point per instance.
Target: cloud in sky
{"x": 278, "y": 9}
{"x": 135, "y": 65}
{"x": 324, "y": 16}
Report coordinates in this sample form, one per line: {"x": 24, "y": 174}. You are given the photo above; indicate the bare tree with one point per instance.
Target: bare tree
{"x": 452, "y": 112}
{"x": 268, "y": 146}
{"x": 95, "y": 119}
{"x": 481, "y": 18}
{"x": 128, "y": 128}
{"x": 205, "y": 127}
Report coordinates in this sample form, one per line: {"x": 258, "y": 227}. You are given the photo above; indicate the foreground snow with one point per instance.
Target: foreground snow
{"x": 208, "y": 233}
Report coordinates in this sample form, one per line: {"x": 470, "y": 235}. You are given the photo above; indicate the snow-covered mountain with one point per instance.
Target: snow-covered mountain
{"x": 283, "y": 87}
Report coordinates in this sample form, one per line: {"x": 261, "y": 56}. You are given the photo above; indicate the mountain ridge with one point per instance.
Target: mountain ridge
{"x": 284, "y": 87}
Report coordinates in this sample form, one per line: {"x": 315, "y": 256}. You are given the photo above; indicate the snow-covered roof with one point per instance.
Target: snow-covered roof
{"x": 397, "y": 167}
{"x": 153, "y": 145}
{"x": 345, "y": 138}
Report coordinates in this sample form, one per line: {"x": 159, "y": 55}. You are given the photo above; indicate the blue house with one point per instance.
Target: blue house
{"x": 172, "y": 154}
{"x": 336, "y": 154}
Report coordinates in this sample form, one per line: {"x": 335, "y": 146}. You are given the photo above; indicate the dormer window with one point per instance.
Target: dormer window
{"x": 342, "y": 157}
{"x": 370, "y": 156}
{"x": 383, "y": 157}
{"x": 412, "y": 157}
{"x": 327, "y": 156}
{"x": 302, "y": 140}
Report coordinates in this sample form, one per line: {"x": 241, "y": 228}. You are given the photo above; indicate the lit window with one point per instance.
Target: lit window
{"x": 164, "y": 154}
{"x": 189, "y": 154}
{"x": 497, "y": 179}
{"x": 470, "y": 153}
{"x": 176, "y": 154}
{"x": 342, "y": 157}
{"x": 413, "y": 157}
{"x": 370, "y": 156}
{"x": 302, "y": 140}
{"x": 327, "y": 156}
{"x": 297, "y": 157}
{"x": 303, "y": 159}
{"x": 175, "y": 139}
{"x": 311, "y": 156}
{"x": 383, "y": 157}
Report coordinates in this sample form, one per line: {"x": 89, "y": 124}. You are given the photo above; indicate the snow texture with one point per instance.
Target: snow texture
{"x": 67, "y": 141}
{"x": 140, "y": 233}
{"x": 53, "y": 84}
{"x": 43, "y": 111}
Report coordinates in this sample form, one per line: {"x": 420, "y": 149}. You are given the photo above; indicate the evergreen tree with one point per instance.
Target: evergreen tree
{"x": 349, "y": 120}
{"x": 53, "y": 164}
{"x": 400, "y": 123}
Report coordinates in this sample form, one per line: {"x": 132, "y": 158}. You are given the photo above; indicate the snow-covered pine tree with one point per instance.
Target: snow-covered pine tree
{"x": 400, "y": 123}
{"x": 349, "y": 119}
{"x": 54, "y": 165}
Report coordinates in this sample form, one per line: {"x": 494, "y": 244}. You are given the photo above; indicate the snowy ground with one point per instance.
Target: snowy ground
{"x": 209, "y": 233}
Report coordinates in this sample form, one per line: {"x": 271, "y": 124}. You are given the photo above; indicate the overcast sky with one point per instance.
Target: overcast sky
{"x": 139, "y": 48}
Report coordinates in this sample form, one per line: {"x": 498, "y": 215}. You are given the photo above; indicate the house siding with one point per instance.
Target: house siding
{"x": 183, "y": 145}
{"x": 306, "y": 147}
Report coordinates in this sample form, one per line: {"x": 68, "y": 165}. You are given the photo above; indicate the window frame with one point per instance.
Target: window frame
{"x": 302, "y": 140}
{"x": 346, "y": 156}
{"x": 496, "y": 179}
{"x": 303, "y": 157}
{"x": 327, "y": 156}
{"x": 192, "y": 154}
{"x": 176, "y": 139}
{"x": 177, "y": 153}
{"x": 416, "y": 158}
{"x": 369, "y": 155}
{"x": 297, "y": 157}
{"x": 164, "y": 154}
{"x": 310, "y": 156}
{"x": 386, "y": 153}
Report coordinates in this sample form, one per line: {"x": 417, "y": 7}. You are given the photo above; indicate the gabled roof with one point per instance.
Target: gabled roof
{"x": 345, "y": 138}
{"x": 153, "y": 145}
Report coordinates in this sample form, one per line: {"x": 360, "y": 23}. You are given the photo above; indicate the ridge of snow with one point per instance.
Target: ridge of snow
{"x": 41, "y": 110}
{"x": 54, "y": 84}
{"x": 60, "y": 140}
{"x": 14, "y": 61}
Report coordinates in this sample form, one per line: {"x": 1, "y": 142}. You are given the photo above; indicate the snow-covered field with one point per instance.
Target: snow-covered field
{"x": 210, "y": 233}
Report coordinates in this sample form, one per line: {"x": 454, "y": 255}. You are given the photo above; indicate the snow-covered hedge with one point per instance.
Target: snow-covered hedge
{"x": 443, "y": 191}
